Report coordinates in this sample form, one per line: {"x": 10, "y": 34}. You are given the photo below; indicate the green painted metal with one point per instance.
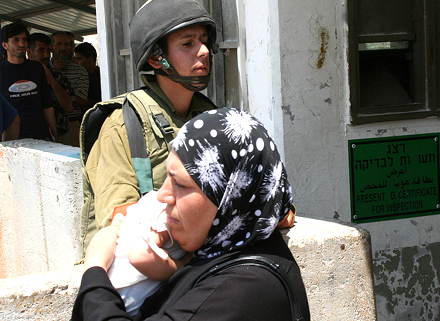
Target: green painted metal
{"x": 394, "y": 178}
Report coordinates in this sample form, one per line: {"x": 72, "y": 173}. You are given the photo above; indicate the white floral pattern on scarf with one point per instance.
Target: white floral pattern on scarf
{"x": 233, "y": 159}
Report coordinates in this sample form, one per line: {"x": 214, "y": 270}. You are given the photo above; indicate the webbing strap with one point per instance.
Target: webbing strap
{"x": 268, "y": 265}
{"x": 139, "y": 155}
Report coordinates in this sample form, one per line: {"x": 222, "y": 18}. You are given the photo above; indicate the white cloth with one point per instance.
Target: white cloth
{"x": 132, "y": 285}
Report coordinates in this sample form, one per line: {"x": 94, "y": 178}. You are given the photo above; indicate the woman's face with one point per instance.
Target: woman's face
{"x": 190, "y": 213}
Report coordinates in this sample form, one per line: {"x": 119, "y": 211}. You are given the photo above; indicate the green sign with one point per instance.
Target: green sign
{"x": 393, "y": 178}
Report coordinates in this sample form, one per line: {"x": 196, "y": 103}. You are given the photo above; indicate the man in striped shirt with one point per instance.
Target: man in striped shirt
{"x": 78, "y": 78}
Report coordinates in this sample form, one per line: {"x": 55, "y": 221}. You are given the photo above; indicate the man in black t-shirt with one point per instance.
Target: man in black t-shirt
{"x": 24, "y": 86}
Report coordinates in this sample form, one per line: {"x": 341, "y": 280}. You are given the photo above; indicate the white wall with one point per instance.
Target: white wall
{"x": 263, "y": 67}
{"x": 313, "y": 55}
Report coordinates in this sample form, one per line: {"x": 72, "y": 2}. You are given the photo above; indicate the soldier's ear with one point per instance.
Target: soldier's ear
{"x": 154, "y": 62}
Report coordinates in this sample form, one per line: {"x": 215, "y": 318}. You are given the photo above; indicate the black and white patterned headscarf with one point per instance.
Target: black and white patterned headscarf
{"x": 231, "y": 156}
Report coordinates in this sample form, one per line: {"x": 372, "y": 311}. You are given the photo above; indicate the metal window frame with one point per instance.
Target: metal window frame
{"x": 224, "y": 88}
{"x": 425, "y": 75}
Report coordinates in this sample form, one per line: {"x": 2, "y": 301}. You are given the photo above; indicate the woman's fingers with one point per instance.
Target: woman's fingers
{"x": 101, "y": 250}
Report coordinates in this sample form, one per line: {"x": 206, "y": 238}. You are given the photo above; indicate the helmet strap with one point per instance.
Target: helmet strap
{"x": 160, "y": 56}
{"x": 195, "y": 84}
{"x": 191, "y": 83}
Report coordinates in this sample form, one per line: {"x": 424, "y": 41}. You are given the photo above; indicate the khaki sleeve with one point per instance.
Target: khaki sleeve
{"x": 114, "y": 181}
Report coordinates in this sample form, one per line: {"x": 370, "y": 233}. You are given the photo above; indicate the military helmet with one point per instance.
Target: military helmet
{"x": 157, "y": 19}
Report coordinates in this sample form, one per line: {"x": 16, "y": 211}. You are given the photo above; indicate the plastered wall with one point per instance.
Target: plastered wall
{"x": 316, "y": 125}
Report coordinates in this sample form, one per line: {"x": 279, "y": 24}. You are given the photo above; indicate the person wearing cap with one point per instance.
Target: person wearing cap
{"x": 175, "y": 42}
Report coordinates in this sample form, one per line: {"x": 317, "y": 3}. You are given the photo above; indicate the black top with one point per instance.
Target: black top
{"x": 241, "y": 293}
{"x": 26, "y": 88}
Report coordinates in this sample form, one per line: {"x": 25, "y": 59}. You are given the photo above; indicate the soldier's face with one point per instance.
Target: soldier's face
{"x": 188, "y": 51}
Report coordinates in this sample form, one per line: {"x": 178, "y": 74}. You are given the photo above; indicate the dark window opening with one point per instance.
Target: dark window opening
{"x": 385, "y": 78}
{"x": 392, "y": 59}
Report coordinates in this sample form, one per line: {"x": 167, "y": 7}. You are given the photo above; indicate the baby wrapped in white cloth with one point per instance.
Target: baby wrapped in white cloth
{"x": 141, "y": 219}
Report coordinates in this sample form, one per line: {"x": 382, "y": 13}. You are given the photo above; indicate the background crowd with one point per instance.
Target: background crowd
{"x": 46, "y": 84}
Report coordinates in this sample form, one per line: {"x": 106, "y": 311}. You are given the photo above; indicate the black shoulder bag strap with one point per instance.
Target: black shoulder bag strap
{"x": 268, "y": 265}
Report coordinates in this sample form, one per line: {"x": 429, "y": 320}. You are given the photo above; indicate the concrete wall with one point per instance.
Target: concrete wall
{"x": 305, "y": 43}
{"x": 46, "y": 296}
{"x": 335, "y": 262}
{"x": 40, "y": 201}
{"x": 39, "y": 217}
{"x": 336, "y": 266}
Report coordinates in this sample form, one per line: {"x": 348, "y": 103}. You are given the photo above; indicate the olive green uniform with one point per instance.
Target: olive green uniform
{"x": 109, "y": 179}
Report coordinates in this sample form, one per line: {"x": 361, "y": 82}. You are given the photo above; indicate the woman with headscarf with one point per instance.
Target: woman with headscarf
{"x": 226, "y": 191}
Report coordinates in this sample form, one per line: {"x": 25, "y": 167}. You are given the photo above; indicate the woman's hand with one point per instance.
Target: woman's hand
{"x": 101, "y": 250}
{"x": 289, "y": 220}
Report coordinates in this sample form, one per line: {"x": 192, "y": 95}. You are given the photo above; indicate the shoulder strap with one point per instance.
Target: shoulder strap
{"x": 157, "y": 113}
{"x": 268, "y": 265}
{"x": 91, "y": 126}
{"x": 133, "y": 119}
{"x": 138, "y": 150}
